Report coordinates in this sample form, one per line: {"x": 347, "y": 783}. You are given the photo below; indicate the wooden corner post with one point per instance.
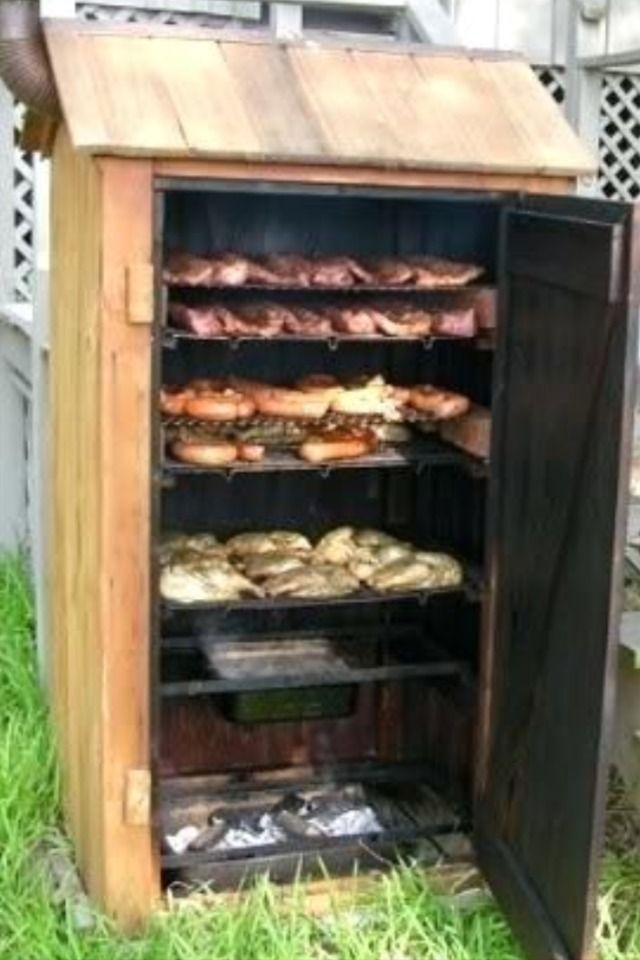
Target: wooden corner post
{"x": 99, "y": 540}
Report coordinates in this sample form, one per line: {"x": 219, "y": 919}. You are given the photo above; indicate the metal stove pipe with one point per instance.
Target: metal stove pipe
{"x": 24, "y": 63}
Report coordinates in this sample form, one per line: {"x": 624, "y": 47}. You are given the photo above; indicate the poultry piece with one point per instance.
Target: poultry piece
{"x": 204, "y": 321}
{"x": 375, "y": 539}
{"x": 387, "y": 271}
{"x": 400, "y": 320}
{"x": 353, "y": 321}
{"x": 337, "y": 546}
{"x": 308, "y": 323}
{"x": 420, "y": 571}
{"x": 229, "y": 270}
{"x": 369, "y": 559}
{"x": 430, "y": 273}
{"x": 332, "y": 272}
{"x": 455, "y": 323}
{"x": 260, "y": 273}
{"x": 248, "y": 544}
{"x": 358, "y": 269}
{"x": 446, "y": 568}
{"x": 369, "y": 396}
{"x": 187, "y": 270}
{"x": 289, "y": 269}
{"x": 259, "y": 567}
{"x": 438, "y": 404}
{"x": 205, "y": 582}
{"x": 260, "y": 320}
{"x": 314, "y": 581}
{"x": 178, "y": 547}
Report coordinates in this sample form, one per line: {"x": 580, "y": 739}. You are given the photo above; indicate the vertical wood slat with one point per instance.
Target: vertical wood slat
{"x": 131, "y": 874}
{"x": 99, "y": 543}
{"x": 74, "y": 537}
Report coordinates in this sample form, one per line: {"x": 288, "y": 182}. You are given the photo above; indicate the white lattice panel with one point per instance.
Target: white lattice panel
{"x": 23, "y": 217}
{"x": 217, "y": 13}
{"x": 619, "y": 173}
{"x": 552, "y": 79}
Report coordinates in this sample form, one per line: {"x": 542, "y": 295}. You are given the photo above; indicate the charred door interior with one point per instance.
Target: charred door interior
{"x": 331, "y": 723}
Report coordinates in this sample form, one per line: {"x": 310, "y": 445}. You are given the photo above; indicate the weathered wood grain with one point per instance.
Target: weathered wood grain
{"x": 74, "y": 539}
{"x": 255, "y": 101}
{"x": 98, "y": 565}
{"x": 131, "y": 876}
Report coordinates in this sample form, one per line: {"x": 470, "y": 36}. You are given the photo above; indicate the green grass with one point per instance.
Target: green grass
{"x": 398, "y": 920}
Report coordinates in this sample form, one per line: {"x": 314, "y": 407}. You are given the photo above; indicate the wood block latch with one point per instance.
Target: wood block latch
{"x": 137, "y": 798}
{"x": 139, "y": 293}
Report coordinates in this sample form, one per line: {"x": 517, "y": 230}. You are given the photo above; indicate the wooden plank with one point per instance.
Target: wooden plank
{"x": 263, "y": 76}
{"x": 73, "y": 561}
{"x": 356, "y": 175}
{"x": 476, "y": 120}
{"x": 537, "y": 126}
{"x": 403, "y": 102}
{"x": 341, "y": 104}
{"x": 210, "y": 110}
{"x": 98, "y": 560}
{"x": 132, "y": 95}
{"x": 131, "y": 874}
{"x": 79, "y": 93}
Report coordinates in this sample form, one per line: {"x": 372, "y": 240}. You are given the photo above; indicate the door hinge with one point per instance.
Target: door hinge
{"x": 137, "y": 798}
{"x": 139, "y": 293}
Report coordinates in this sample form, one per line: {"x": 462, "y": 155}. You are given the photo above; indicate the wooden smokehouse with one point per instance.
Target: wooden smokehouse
{"x": 491, "y": 693}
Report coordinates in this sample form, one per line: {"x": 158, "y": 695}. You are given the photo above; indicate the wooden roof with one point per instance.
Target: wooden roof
{"x": 169, "y": 92}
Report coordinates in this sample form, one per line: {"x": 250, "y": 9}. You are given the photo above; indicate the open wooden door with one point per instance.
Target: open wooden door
{"x": 562, "y": 421}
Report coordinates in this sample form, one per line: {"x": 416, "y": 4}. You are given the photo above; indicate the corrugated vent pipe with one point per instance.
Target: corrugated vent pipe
{"x": 24, "y": 63}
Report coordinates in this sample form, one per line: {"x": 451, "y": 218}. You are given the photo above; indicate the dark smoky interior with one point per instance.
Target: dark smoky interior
{"x": 394, "y": 725}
